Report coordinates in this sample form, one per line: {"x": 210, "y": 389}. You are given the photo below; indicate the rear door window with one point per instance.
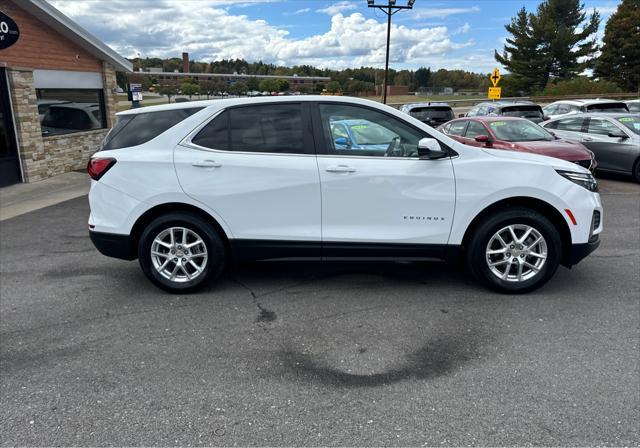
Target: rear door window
{"x": 522, "y": 111}
{"x": 573, "y": 124}
{"x": 273, "y": 128}
{"x": 136, "y": 129}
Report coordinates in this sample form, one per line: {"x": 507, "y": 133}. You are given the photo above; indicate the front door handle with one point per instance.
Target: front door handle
{"x": 207, "y": 164}
{"x": 340, "y": 169}
{"x": 587, "y": 139}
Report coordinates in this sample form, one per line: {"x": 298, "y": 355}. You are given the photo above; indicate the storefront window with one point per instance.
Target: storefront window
{"x": 64, "y": 111}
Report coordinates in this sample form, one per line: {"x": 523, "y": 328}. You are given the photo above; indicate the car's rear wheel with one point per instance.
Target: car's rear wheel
{"x": 636, "y": 171}
{"x": 514, "y": 251}
{"x": 179, "y": 252}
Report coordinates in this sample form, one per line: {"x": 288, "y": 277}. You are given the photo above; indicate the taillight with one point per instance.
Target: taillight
{"x": 99, "y": 166}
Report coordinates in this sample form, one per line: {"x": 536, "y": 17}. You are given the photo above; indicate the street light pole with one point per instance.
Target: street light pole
{"x": 389, "y": 9}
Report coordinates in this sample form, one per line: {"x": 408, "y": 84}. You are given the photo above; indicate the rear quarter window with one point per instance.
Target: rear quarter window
{"x": 136, "y": 129}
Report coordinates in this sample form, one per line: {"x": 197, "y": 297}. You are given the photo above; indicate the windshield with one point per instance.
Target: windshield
{"x": 438, "y": 113}
{"x": 519, "y": 131}
{"x": 607, "y": 107}
{"x": 522, "y": 111}
{"x": 371, "y": 134}
{"x": 632, "y": 123}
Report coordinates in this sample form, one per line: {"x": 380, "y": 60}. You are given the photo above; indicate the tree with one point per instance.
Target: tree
{"x": 189, "y": 87}
{"x": 253, "y": 84}
{"x": 282, "y": 85}
{"x": 333, "y": 87}
{"x": 580, "y": 85}
{"x": 422, "y": 77}
{"x": 167, "y": 89}
{"x": 521, "y": 56}
{"x": 565, "y": 38}
{"x": 620, "y": 58}
{"x": 555, "y": 43}
{"x": 268, "y": 85}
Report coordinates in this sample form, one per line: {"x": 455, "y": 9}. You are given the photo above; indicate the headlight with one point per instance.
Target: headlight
{"x": 585, "y": 180}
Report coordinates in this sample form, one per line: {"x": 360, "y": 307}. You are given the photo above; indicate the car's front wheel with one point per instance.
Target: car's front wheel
{"x": 514, "y": 251}
{"x": 179, "y": 252}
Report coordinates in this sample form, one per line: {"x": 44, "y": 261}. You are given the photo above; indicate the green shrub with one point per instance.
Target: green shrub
{"x": 579, "y": 86}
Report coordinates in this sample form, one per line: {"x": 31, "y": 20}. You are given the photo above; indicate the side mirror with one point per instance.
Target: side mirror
{"x": 429, "y": 149}
{"x": 618, "y": 134}
{"x": 483, "y": 139}
{"x": 545, "y": 118}
{"x": 343, "y": 141}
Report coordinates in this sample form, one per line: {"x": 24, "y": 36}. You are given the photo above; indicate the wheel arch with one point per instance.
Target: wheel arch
{"x": 542, "y": 207}
{"x": 171, "y": 207}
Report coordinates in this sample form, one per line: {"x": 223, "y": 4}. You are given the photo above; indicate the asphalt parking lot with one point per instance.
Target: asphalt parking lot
{"x": 291, "y": 354}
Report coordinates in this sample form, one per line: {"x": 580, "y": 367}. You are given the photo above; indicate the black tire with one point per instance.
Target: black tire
{"x": 477, "y": 258}
{"x": 636, "y": 171}
{"x": 215, "y": 250}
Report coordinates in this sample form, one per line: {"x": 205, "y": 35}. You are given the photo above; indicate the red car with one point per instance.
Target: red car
{"x": 517, "y": 134}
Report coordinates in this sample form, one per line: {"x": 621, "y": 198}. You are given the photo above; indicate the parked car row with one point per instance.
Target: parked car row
{"x": 594, "y": 133}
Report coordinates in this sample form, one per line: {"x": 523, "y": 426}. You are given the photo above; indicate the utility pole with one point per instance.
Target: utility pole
{"x": 389, "y": 9}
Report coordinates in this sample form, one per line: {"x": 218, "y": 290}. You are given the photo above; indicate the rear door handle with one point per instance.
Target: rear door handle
{"x": 340, "y": 169}
{"x": 207, "y": 164}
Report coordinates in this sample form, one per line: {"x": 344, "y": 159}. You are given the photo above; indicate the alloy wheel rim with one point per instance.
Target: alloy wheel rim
{"x": 179, "y": 254}
{"x": 516, "y": 253}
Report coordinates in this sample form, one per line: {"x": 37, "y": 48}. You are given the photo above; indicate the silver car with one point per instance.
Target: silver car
{"x": 613, "y": 138}
{"x": 566, "y": 107}
{"x": 633, "y": 105}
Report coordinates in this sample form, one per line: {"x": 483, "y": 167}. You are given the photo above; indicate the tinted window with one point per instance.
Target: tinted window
{"x": 428, "y": 113}
{"x": 522, "y": 111}
{"x": 570, "y": 124}
{"x": 474, "y": 129}
{"x": 275, "y": 128}
{"x": 215, "y": 134}
{"x": 136, "y": 129}
{"x": 608, "y": 107}
{"x": 369, "y": 132}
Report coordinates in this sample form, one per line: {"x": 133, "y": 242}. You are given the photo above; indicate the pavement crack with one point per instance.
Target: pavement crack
{"x": 265, "y": 315}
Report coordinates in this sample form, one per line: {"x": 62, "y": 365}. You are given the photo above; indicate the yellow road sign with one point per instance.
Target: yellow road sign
{"x": 495, "y": 77}
{"x": 494, "y": 93}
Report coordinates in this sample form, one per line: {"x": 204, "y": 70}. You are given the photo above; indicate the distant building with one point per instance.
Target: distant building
{"x": 295, "y": 82}
{"x": 57, "y": 92}
{"x": 393, "y": 90}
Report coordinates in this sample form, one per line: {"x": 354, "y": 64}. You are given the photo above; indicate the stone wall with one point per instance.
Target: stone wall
{"x": 44, "y": 157}
{"x": 25, "y": 116}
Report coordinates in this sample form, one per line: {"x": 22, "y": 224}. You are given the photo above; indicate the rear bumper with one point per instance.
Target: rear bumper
{"x": 580, "y": 251}
{"x": 113, "y": 245}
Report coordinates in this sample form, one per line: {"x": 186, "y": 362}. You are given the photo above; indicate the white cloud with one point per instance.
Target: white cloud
{"x": 441, "y": 13}
{"x": 302, "y": 11}
{"x": 210, "y": 32}
{"x": 339, "y": 7}
{"x": 464, "y": 29}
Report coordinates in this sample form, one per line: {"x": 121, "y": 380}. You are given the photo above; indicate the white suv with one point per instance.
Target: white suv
{"x": 190, "y": 188}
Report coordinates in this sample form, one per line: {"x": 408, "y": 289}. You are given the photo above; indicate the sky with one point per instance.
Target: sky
{"x": 453, "y": 34}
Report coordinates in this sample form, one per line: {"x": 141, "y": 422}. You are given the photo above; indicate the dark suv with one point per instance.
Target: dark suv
{"x": 433, "y": 114}
{"x": 522, "y": 109}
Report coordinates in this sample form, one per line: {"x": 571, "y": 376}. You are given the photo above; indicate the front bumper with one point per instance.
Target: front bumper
{"x": 113, "y": 245}
{"x": 580, "y": 251}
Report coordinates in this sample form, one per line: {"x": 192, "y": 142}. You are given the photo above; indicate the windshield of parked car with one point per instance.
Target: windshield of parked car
{"x": 523, "y": 111}
{"x": 632, "y": 123}
{"x": 371, "y": 134}
{"x": 427, "y": 113}
{"x": 608, "y": 107}
{"x": 519, "y": 131}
